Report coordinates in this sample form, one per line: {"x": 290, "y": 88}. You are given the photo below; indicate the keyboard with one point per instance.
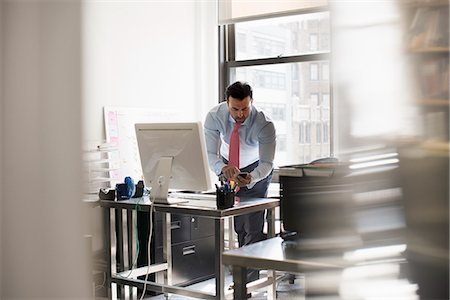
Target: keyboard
{"x": 191, "y": 196}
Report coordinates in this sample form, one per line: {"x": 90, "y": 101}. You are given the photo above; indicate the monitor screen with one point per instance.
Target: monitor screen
{"x": 173, "y": 155}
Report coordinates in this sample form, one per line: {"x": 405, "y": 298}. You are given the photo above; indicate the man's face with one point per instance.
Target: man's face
{"x": 239, "y": 109}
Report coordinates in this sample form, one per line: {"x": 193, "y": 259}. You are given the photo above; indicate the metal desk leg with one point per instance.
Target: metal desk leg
{"x": 107, "y": 219}
{"x": 133, "y": 256}
{"x": 112, "y": 244}
{"x": 271, "y": 289}
{"x": 167, "y": 249}
{"x": 120, "y": 250}
{"x": 219, "y": 268}
{"x": 240, "y": 280}
{"x": 271, "y": 222}
{"x": 231, "y": 243}
{"x": 125, "y": 252}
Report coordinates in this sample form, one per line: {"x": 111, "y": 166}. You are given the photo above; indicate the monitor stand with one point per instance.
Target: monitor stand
{"x": 160, "y": 183}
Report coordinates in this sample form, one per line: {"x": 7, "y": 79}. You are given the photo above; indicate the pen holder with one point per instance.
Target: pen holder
{"x": 224, "y": 199}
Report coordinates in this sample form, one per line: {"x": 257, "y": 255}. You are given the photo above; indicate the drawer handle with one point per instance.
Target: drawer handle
{"x": 175, "y": 225}
{"x": 189, "y": 250}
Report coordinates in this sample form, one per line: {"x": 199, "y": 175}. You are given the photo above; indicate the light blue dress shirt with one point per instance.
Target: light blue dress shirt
{"x": 257, "y": 139}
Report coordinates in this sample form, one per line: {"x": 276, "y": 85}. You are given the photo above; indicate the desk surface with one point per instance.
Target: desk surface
{"x": 275, "y": 254}
{"x": 206, "y": 208}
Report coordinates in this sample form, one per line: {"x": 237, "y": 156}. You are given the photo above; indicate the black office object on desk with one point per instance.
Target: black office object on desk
{"x": 315, "y": 200}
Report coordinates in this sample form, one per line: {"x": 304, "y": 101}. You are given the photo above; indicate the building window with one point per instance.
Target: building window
{"x": 318, "y": 133}
{"x": 313, "y": 72}
{"x": 277, "y": 111}
{"x": 324, "y": 41}
{"x": 269, "y": 79}
{"x": 281, "y": 142}
{"x": 304, "y": 133}
{"x": 314, "y": 99}
{"x": 313, "y": 42}
{"x": 326, "y": 133}
{"x": 308, "y": 133}
{"x": 326, "y": 99}
{"x": 325, "y": 71}
{"x": 242, "y": 42}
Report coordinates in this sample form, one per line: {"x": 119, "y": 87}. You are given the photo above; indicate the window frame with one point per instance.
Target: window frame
{"x": 227, "y": 61}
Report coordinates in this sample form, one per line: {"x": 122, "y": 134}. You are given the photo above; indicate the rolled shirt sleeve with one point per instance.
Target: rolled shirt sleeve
{"x": 212, "y": 137}
{"x": 267, "y": 146}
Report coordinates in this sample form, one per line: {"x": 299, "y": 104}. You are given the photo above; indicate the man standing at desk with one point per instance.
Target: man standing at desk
{"x": 241, "y": 139}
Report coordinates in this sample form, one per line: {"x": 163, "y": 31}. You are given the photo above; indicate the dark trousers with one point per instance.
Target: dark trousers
{"x": 249, "y": 227}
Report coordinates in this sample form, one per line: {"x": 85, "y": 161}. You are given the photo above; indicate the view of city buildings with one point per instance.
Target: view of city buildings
{"x": 295, "y": 95}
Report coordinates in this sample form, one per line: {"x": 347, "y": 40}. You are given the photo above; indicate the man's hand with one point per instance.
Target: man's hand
{"x": 230, "y": 172}
{"x": 243, "y": 181}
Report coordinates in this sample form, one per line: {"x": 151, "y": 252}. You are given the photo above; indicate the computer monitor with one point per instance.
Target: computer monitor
{"x": 173, "y": 155}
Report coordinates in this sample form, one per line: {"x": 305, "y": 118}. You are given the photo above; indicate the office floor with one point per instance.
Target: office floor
{"x": 285, "y": 290}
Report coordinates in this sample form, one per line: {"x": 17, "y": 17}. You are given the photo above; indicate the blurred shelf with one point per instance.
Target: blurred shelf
{"x": 428, "y": 50}
{"x": 434, "y": 102}
{"x": 436, "y": 145}
{"x": 426, "y": 41}
{"x": 424, "y": 3}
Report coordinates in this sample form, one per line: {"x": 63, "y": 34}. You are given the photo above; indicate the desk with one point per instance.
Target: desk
{"x": 201, "y": 208}
{"x": 271, "y": 254}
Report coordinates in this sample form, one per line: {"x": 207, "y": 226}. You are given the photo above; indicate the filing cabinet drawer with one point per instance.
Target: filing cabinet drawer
{"x": 181, "y": 230}
{"x": 193, "y": 261}
{"x": 201, "y": 227}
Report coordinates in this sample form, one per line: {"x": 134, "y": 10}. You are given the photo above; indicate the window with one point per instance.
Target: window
{"x": 304, "y": 133}
{"x": 326, "y": 99}
{"x": 313, "y": 42}
{"x": 281, "y": 142}
{"x": 325, "y": 71}
{"x": 326, "y": 133}
{"x": 308, "y": 133}
{"x": 277, "y": 111}
{"x": 269, "y": 79}
{"x": 314, "y": 99}
{"x": 242, "y": 43}
{"x": 283, "y": 60}
{"x": 324, "y": 41}
{"x": 314, "y": 71}
{"x": 318, "y": 133}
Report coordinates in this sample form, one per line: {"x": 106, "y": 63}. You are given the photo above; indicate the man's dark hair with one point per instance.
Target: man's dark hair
{"x": 239, "y": 90}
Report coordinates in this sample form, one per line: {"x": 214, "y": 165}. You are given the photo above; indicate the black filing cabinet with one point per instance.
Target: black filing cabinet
{"x": 192, "y": 246}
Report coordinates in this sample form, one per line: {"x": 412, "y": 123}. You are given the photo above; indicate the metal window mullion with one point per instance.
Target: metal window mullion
{"x": 223, "y": 70}
{"x": 227, "y": 52}
{"x": 278, "y": 60}
{"x": 332, "y": 116}
{"x": 281, "y": 14}
{"x": 231, "y": 55}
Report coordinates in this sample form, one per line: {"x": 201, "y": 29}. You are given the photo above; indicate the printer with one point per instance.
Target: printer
{"x": 315, "y": 200}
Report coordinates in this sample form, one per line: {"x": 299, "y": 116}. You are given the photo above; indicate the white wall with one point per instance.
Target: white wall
{"x": 43, "y": 252}
{"x": 151, "y": 54}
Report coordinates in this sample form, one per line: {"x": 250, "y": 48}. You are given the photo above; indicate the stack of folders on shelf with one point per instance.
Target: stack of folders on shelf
{"x": 433, "y": 77}
{"x": 98, "y": 165}
{"x": 429, "y": 28}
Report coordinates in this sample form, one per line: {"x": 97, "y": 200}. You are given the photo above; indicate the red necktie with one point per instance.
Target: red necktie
{"x": 233, "y": 155}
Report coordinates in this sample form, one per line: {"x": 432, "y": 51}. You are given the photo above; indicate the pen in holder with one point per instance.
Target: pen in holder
{"x": 225, "y": 199}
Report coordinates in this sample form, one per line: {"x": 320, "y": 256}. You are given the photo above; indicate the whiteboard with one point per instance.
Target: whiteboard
{"x": 120, "y": 133}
